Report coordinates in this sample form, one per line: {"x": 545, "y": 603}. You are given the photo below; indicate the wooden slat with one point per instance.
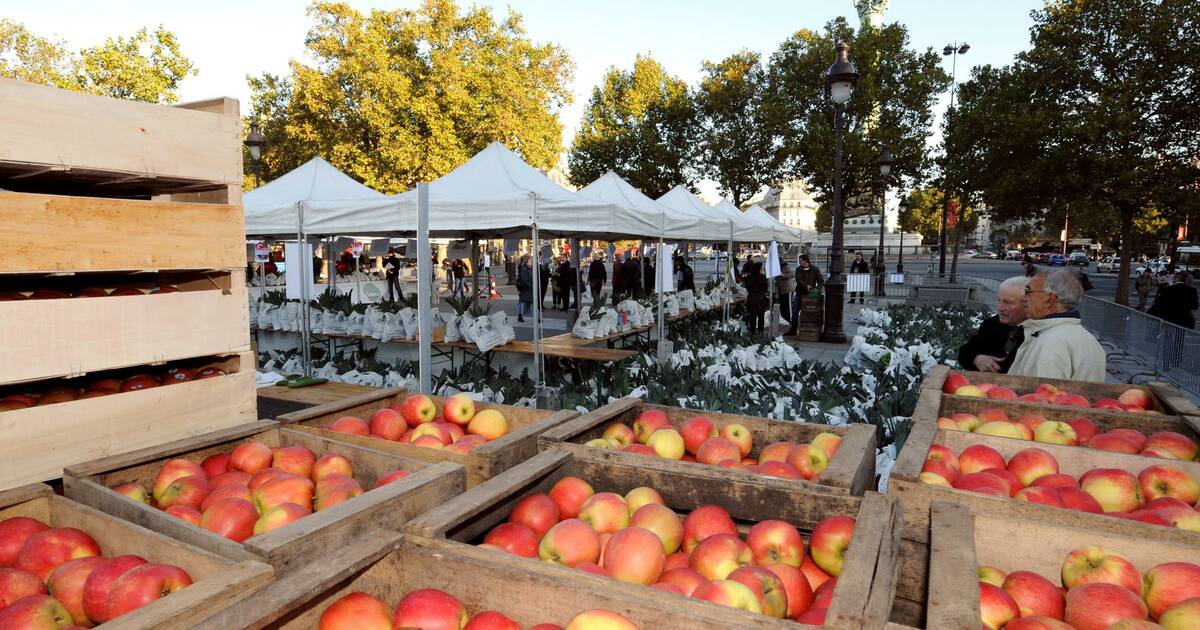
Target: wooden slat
{"x": 1026, "y": 384}
{"x": 1104, "y": 419}
{"x": 324, "y": 393}
{"x": 855, "y": 473}
{"x": 953, "y": 581}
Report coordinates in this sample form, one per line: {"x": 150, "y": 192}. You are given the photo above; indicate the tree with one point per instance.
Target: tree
{"x": 892, "y": 106}
{"x": 924, "y": 214}
{"x": 398, "y": 97}
{"x": 736, "y": 142}
{"x": 147, "y": 66}
{"x": 640, "y": 124}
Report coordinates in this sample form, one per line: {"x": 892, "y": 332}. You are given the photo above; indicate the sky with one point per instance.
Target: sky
{"x": 227, "y": 40}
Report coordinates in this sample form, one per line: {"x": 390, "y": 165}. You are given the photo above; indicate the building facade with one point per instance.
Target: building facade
{"x": 790, "y": 203}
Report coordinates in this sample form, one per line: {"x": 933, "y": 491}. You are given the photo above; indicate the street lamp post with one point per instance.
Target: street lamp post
{"x": 254, "y": 145}
{"x": 952, "y": 51}
{"x": 839, "y": 85}
{"x": 885, "y": 168}
{"x": 900, "y": 224}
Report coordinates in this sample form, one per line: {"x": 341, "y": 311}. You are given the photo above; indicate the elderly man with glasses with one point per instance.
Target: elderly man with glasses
{"x": 993, "y": 347}
{"x": 1056, "y": 344}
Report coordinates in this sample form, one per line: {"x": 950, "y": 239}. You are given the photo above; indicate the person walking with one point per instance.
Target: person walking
{"x": 543, "y": 283}
{"x": 633, "y": 276}
{"x": 1056, "y": 344}
{"x": 391, "y": 269}
{"x": 648, "y": 274}
{"x": 458, "y": 269}
{"x": 510, "y": 269}
{"x": 785, "y": 286}
{"x": 486, "y": 268}
{"x": 597, "y": 276}
{"x": 1176, "y": 302}
{"x": 524, "y": 284}
{"x": 1144, "y": 283}
{"x": 618, "y": 278}
{"x": 993, "y": 347}
{"x": 756, "y": 298}
{"x": 687, "y": 276}
{"x": 858, "y": 265}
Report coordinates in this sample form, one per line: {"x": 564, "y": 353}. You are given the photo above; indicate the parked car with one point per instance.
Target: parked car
{"x": 1058, "y": 260}
{"x": 1109, "y": 264}
{"x": 970, "y": 253}
{"x": 1014, "y": 254}
{"x": 1078, "y": 258}
{"x": 1157, "y": 268}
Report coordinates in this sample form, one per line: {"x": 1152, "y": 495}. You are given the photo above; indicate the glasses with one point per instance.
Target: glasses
{"x": 1029, "y": 291}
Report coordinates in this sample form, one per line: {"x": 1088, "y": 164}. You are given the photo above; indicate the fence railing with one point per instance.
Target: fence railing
{"x": 1172, "y": 351}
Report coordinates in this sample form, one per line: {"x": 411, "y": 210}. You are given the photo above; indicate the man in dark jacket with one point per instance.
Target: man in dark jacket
{"x": 524, "y": 282}
{"x": 756, "y": 298}
{"x": 633, "y": 276}
{"x": 597, "y": 276}
{"x": 994, "y": 346}
{"x": 391, "y": 267}
{"x": 858, "y": 266}
{"x": 544, "y": 281}
{"x": 1176, "y": 302}
{"x": 808, "y": 277}
{"x": 687, "y": 277}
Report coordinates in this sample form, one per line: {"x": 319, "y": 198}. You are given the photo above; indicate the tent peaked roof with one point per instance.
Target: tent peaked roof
{"x": 271, "y": 208}
{"x": 672, "y": 224}
{"x": 785, "y": 232}
{"x": 681, "y": 199}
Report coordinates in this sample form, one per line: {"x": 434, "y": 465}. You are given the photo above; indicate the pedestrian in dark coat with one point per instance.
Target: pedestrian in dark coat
{"x": 618, "y": 278}
{"x": 1176, "y": 302}
{"x": 993, "y": 347}
{"x": 858, "y": 266}
{"x": 808, "y": 277}
{"x": 756, "y": 298}
{"x": 687, "y": 280}
{"x": 543, "y": 283}
{"x": 524, "y": 289}
{"x": 597, "y": 276}
{"x": 633, "y": 277}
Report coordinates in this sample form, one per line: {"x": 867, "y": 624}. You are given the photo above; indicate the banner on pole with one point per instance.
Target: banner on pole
{"x": 459, "y": 249}
{"x": 664, "y": 280}
{"x": 262, "y": 253}
{"x": 773, "y": 270}
{"x": 858, "y": 282}
{"x": 379, "y": 247}
{"x": 292, "y": 272}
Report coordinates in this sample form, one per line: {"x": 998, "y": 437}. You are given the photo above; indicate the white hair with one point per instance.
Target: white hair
{"x": 1065, "y": 286}
{"x": 1014, "y": 282}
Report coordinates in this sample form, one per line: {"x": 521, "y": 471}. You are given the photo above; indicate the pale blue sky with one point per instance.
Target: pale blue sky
{"x": 228, "y": 40}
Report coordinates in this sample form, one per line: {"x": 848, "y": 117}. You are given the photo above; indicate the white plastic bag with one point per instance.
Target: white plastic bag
{"x": 503, "y": 326}
{"x": 686, "y": 300}
{"x": 465, "y": 322}
{"x": 336, "y": 323}
{"x": 408, "y": 319}
{"x": 584, "y": 327}
{"x": 451, "y": 321}
{"x": 393, "y": 327}
{"x": 354, "y": 323}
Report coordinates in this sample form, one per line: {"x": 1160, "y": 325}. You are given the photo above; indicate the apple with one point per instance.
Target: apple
{"x": 356, "y": 611}
{"x": 133, "y": 491}
{"x": 688, "y": 580}
{"x": 991, "y": 414}
{"x": 250, "y": 457}
{"x": 1137, "y": 438}
{"x": 677, "y": 560}
{"x": 395, "y": 475}
{"x": 1072, "y": 400}
{"x": 1034, "y": 594}
{"x": 779, "y": 469}
{"x": 718, "y": 556}
{"x": 1179, "y": 445}
{"x": 742, "y": 437}
{"x": 796, "y": 586}
{"x": 823, "y": 596}
{"x": 1170, "y": 583}
{"x": 1136, "y": 397}
{"x": 991, "y": 575}
{"x": 1096, "y": 606}
{"x": 1168, "y": 481}
{"x": 175, "y": 469}
{"x": 1114, "y": 489}
{"x": 1094, "y": 565}
{"x": 768, "y": 589}
{"x": 35, "y": 612}
{"x": 1113, "y": 442}
{"x": 434, "y": 429}
{"x": 231, "y": 478}
{"x": 430, "y": 609}
{"x": 933, "y": 479}
{"x": 334, "y": 489}
{"x": 966, "y": 421}
{"x": 43, "y": 551}
{"x": 232, "y": 518}
{"x": 954, "y": 382}
{"x": 599, "y": 619}
{"x": 776, "y": 452}
{"x": 214, "y": 465}
{"x": 605, "y": 512}
{"x": 663, "y": 522}
{"x": 809, "y": 460}
{"x": 143, "y": 585}
{"x": 514, "y": 538}
{"x": 294, "y": 459}
{"x": 970, "y": 391}
{"x": 417, "y": 409}
{"x": 491, "y": 620}
{"x": 829, "y": 541}
{"x": 667, "y": 443}
{"x": 488, "y": 424}
{"x": 1084, "y": 429}
{"x": 695, "y": 431}
{"x": 813, "y": 573}
{"x": 588, "y": 567}
{"x": 459, "y": 409}
{"x": 729, "y": 593}
{"x": 568, "y": 494}
{"x": 717, "y": 449}
{"x": 946, "y": 423}
{"x": 977, "y": 457}
{"x": 1003, "y": 429}
{"x": 224, "y": 492}
{"x": 13, "y": 534}
{"x": 1076, "y": 499}
{"x": 1001, "y": 393}
{"x": 100, "y": 582}
{"x": 184, "y": 491}
{"x": 331, "y": 464}
{"x": 941, "y": 452}
{"x": 1051, "y": 432}
{"x": 1044, "y": 623}
{"x": 985, "y": 483}
{"x": 351, "y": 426}
{"x": 537, "y": 512}
{"x": 996, "y": 607}
{"x": 643, "y": 495}
{"x": 569, "y": 543}
{"x": 1047, "y": 390}
{"x": 1056, "y": 480}
{"x": 1030, "y": 464}
{"x": 1181, "y": 518}
{"x": 941, "y": 469}
{"x": 263, "y": 476}
{"x": 703, "y": 522}
{"x": 619, "y": 433}
{"x": 15, "y": 583}
{"x": 278, "y": 516}
{"x": 634, "y": 555}
{"x": 1182, "y": 616}
{"x": 429, "y": 441}
{"x": 1036, "y": 494}
{"x": 775, "y": 542}
{"x": 648, "y": 422}
{"x": 283, "y": 488}
{"x": 184, "y": 513}
{"x": 1159, "y": 453}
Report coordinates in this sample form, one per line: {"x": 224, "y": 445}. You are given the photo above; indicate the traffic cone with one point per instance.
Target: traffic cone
{"x": 494, "y": 293}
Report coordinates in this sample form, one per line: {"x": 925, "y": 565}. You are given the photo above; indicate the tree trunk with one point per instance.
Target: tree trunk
{"x": 1126, "y": 213}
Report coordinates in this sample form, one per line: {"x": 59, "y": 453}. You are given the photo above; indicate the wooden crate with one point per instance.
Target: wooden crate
{"x": 93, "y": 234}
{"x": 68, "y": 337}
{"x": 40, "y": 441}
{"x": 864, "y": 591}
{"x": 217, "y": 582}
{"x": 293, "y": 544}
{"x": 277, "y": 400}
{"x": 964, "y": 539}
{"x": 850, "y": 471}
{"x": 482, "y": 463}
{"x": 916, "y": 497}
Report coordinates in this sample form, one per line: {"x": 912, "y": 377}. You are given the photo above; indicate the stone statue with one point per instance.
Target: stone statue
{"x": 871, "y": 12}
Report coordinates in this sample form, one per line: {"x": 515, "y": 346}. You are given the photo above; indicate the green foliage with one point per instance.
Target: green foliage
{"x": 146, "y": 66}
{"x": 736, "y": 146}
{"x": 642, "y": 125}
{"x": 401, "y": 96}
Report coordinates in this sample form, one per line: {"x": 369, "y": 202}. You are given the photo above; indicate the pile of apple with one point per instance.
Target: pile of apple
{"x": 433, "y": 609}
{"x": 1076, "y": 432}
{"x": 698, "y": 440}
{"x": 637, "y": 538}
{"x": 1100, "y": 590}
{"x": 1160, "y": 494}
{"x": 415, "y": 421}
{"x": 1132, "y": 400}
{"x": 56, "y": 577}
{"x": 253, "y": 489}
{"x": 104, "y": 387}
{"x": 89, "y": 292}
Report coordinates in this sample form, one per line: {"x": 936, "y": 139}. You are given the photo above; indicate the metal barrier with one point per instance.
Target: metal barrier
{"x": 1172, "y": 351}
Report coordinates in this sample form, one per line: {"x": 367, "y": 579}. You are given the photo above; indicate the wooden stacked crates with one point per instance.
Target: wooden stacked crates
{"x": 812, "y": 318}
{"x": 117, "y": 195}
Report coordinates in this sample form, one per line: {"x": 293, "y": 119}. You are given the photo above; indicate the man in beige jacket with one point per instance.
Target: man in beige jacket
{"x": 1056, "y": 344}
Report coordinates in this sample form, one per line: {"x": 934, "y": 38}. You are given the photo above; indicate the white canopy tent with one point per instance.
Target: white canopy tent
{"x": 674, "y": 225}
{"x": 274, "y": 208}
{"x": 788, "y": 233}
{"x": 748, "y": 228}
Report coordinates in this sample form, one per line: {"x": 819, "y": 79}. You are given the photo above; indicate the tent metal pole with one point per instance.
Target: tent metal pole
{"x": 476, "y": 259}
{"x": 576, "y": 290}
{"x": 536, "y": 246}
{"x": 305, "y": 335}
{"x": 774, "y": 319}
{"x": 664, "y": 350}
{"x": 729, "y": 263}
{"x": 424, "y": 285}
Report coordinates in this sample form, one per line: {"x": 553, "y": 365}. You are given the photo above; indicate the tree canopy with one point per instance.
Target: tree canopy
{"x": 736, "y": 147}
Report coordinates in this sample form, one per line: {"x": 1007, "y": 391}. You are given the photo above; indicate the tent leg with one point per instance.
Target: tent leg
{"x": 475, "y": 260}
{"x": 424, "y": 285}
{"x": 575, "y": 289}
{"x": 664, "y": 346}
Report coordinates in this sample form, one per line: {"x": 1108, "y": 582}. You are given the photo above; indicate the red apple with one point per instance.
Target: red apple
{"x": 331, "y": 464}
{"x": 100, "y": 582}
{"x": 985, "y": 483}
{"x": 184, "y": 491}
{"x": 953, "y": 382}
{"x": 570, "y": 542}
{"x": 294, "y": 459}
{"x": 13, "y": 534}
{"x": 776, "y": 452}
{"x": 395, "y": 475}
{"x": 283, "y": 488}
{"x": 1114, "y": 489}
{"x": 1136, "y": 397}
{"x": 514, "y": 538}
{"x": 1031, "y": 463}
{"x": 814, "y": 617}
{"x": 1037, "y": 494}
{"x": 809, "y": 460}
{"x": 744, "y": 439}
{"x": 718, "y": 556}
{"x": 605, "y": 512}
{"x": 829, "y": 541}
{"x": 677, "y": 560}
{"x": 1179, "y": 445}
{"x": 1169, "y": 583}
{"x": 458, "y": 409}
{"x": 703, "y": 522}
{"x": 688, "y": 580}
{"x": 1094, "y": 565}
{"x": 717, "y": 449}
{"x": 351, "y": 426}
{"x": 823, "y": 596}
{"x": 648, "y": 422}
{"x": 695, "y": 431}
{"x": 569, "y": 493}
{"x": 1043, "y": 623}
{"x": 598, "y": 619}
{"x": 143, "y": 585}
{"x": 45, "y": 550}
{"x": 430, "y": 609}
{"x": 250, "y": 457}
{"x": 775, "y": 542}
{"x": 1097, "y": 606}
{"x": 334, "y": 489}
{"x": 356, "y": 611}
{"x": 728, "y": 593}
{"x": 417, "y": 409}
{"x": 634, "y": 555}
{"x": 663, "y": 522}
{"x": 1076, "y": 499}
{"x": 233, "y": 477}
{"x": 670, "y": 588}
{"x": 1034, "y": 594}
{"x": 232, "y": 518}
{"x": 996, "y": 607}
{"x": 1057, "y": 480}
{"x": 991, "y": 414}
{"x": 35, "y": 612}
{"x": 768, "y": 589}
{"x": 775, "y": 468}
{"x": 1168, "y": 481}
{"x": 595, "y": 569}
{"x": 214, "y": 465}
{"x": 1112, "y": 442}
{"x": 184, "y": 513}
{"x": 172, "y": 470}
{"x": 538, "y": 512}
{"x": 620, "y": 433}
{"x": 15, "y": 584}
{"x": 278, "y": 516}
{"x": 224, "y": 492}
{"x": 815, "y": 575}
{"x": 940, "y": 468}
{"x": 1084, "y": 429}
{"x": 491, "y": 620}
{"x": 795, "y": 584}
{"x": 977, "y": 457}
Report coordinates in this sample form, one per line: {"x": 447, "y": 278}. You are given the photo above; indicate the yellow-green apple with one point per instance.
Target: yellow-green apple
{"x": 717, "y": 449}
{"x": 417, "y": 409}
{"x": 677, "y": 560}
{"x": 46, "y": 549}
{"x": 663, "y": 522}
{"x": 703, "y": 522}
{"x": 249, "y": 457}
{"x": 768, "y": 589}
{"x": 608, "y": 445}
{"x": 970, "y": 391}
{"x": 977, "y": 457}
{"x": 435, "y": 429}
{"x": 990, "y": 414}
{"x": 278, "y": 516}
{"x": 231, "y": 478}
{"x": 829, "y": 541}
{"x": 809, "y": 460}
{"x": 387, "y": 423}
{"x": 100, "y": 582}
{"x": 395, "y": 475}
{"x": 779, "y": 469}
{"x": 1053, "y": 432}
{"x": 991, "y": 575}
{"x": 1056, "y": 480}
{"x": 953, "y": 382}
{"x": 175, "y": 469}
{"x": 648, "y": 422}
{"x": 815, "y": 575}
{"x": 688, "y": 580}
{"x": 1095, "y": 565}
{"x": 996, "y": 607}
{"x": 827, "y": 442}
{"x": 226, "y": 491}
{"x": 145, "y": 584}
{"x": 1136, "y": 397}
{"x": 184, "y": 513}
{"x": 459, "y": 409}
{"x": 1046, "y": 623}
{"x": 741, "y": 435}
{"x": 488, "y": 424}
{"x": 933, "y": 479}
{"x": 356, "y": 611}
{"x": 776, "y": 452}
{"x": 1112, "y": 442}
{"x": 717, "y": 556}
{"x": 184, "y": 491}
{"x": 1114, "y": 489}
{"x": 569, "y": 493}
{"x": 350, "y": 425}
{"x": 133, "y": 491}
{"x": 941, "y": 469}
{"x": 1084, "y": 429}
{"x": 728, "y": 593}
{"x": 600, "y": 619}
{"x": 35, "y": 612}
{"x": 13, "y": 534}
{"x": 232, "y": 518}
{"x": 1030, "y": 464}
{"x": 1179, "y": 445}
{"x": 15, "y": 583}
{"x": 283, "y": 488}
{"x": 966, "y": 421}
{"x": 619, "y": 433}
{"x": 514, "y": 538}
{"x": 984, "y": 483}
{"x": 1182, "y": 616}
{"x": 634, "y": 554}
{"x": 537, "y": 512}
{"x": 334, "y": 489}
{"x": 1137, "y": 438}
{"x": 331, "y": 464}
{"x": 214, "y": 465}
{"x": 1098, "y": 605}
{"x": 430, "y": 609}
{"x": 1168, "y": 481}
{"x": 695, "y": 431}
{"x": 1038, "y": 494}
{"x": 642, "y": 495}
{"x": 605, "y": 512}
{"x": 569, "y": 543}
{"x": 775, "y": 542}
{"x": 1003, "y": 429}
{"x": 1078, "y": 500}
{"x": 1169, "y": 583}
{"x": 795, "y": 584}
{"x": 667, "y": 443}
{"x": 491, "y": 620}
{"x": 1034, "y": 594}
